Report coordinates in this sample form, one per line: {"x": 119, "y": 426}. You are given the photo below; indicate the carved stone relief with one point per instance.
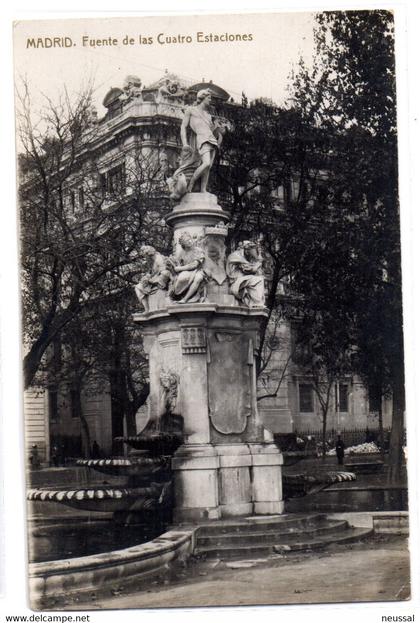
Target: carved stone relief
{"x": 193, "y": 340}
{"x": 215, "y": 250}
{"x": 230, "y": 395}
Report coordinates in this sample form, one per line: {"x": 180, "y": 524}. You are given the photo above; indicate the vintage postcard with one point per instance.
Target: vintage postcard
{"x": 212, "y": 310}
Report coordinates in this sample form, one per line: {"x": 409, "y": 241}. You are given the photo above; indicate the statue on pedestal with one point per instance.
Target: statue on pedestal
{"x": 157, "y": 277}
{"x": 188, "y": 283}
{"x": 132, "y": 88}
{"x": 201, "y": 137}
{"x": 244, "y": 271}
{"x": 170, "y": 91}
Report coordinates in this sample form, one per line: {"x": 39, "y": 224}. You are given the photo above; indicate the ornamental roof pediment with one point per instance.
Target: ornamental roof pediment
{"x": 113, "y": 94}
{"x": 167, "y": 76}
{"x": 217, "y": 91}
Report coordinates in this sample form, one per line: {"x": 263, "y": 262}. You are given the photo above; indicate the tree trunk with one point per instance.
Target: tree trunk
{"x": 395, "y": 457}
{"x": 84, "y": 426}
{"x": 50, "y": 330}
{"x": 324, "y": 432}
{"x": 130, "y": 419}
{"x": 132, "y": 406}
{"x": 31, "y": 363}
{"x": 381, "y": 430}
{"x": 270, "y": 303}
{"x": 86, "y": 445}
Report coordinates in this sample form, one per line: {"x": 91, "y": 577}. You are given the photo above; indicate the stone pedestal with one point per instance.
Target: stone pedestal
{"x": 195, "y": 468}
{"x": 228, "y": 480}
{"x": 228, "y": 465}
{"x": 266, "y": 483}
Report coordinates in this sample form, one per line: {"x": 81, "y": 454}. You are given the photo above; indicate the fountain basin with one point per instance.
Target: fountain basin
{"x": 49, "y": 580}
{"x": 73, "y": 537}
{"x": 105, "y": 499}
{"x": 341, "y": 499}
{"x": 159, "y": 444}
{"x": 141, "y": 466}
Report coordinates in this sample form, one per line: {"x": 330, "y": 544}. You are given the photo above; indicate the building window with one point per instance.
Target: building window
{"x": 54, "y": 360}
{"x": 274, "y": 342}
{"x": 113, "y": 181}
{"x": 301, "y": 351}
{"x": 295, "y": 189}
{"x": 306, "y": 400}
{"x": 103, "y": 184}
{"x": 375, "y": 401}
{"x": 343, "y": 397}
{"x": 53, "y": 404}
{"x": 116, "y": 179}
{"x": 74, "y": 402}
{"x": 114, "y": 109}
{"x": 278, "y": 193}
{"x": 81, "y": 197}
{"x": 72, "y": 200}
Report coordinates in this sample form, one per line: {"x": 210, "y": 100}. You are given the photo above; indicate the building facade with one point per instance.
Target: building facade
{"x": 135, "y": 145}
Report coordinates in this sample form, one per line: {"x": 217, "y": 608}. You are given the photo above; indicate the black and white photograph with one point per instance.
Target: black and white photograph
{"x": 211, "y": 302}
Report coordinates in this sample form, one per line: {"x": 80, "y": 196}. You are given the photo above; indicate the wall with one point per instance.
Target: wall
{"x": 36, "y": 423}
{"x": 276, "y": 411}
{"x": 97, "y": 410}
{"x": 282, "y": 414}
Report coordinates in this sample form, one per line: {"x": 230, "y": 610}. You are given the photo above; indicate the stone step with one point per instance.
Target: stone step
{"x": 301, "y": 543}
{"x": 280, "y": 523}
{"x": 348, "y": 536}
{"x": 271, "y": 536}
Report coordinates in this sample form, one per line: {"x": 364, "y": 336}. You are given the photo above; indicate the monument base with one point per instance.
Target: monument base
{"x": 227, "y": 480}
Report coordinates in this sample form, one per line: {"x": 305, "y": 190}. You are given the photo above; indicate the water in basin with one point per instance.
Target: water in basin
{"x": 76, "y": 538}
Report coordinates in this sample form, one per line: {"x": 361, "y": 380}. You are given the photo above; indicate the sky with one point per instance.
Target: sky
{"x": 260, "y": 67}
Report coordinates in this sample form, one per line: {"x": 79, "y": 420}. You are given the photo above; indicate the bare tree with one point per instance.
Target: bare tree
{"x": 79, "y": 227}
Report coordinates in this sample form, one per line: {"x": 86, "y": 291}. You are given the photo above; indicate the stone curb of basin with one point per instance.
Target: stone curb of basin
{"x": 382, "y": 522}
{"x": 88, "y": 573}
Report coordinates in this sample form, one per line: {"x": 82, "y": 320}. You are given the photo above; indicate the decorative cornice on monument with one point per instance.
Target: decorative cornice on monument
{"x": 193, "y": 340}
{"x": 217, "y": 230}
{"x": 189, "y": 311}
{"x": 198, "y": 206}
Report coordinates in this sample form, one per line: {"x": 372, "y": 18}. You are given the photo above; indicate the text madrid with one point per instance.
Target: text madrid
{"x": 161, "y": 38}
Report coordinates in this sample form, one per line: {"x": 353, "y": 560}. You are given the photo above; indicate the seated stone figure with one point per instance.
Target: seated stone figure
{"x": 244, "y": 271}
{"x": 132, "y": 88}
{"x": 188, "y": 283}
{"x": 157, "y": 277}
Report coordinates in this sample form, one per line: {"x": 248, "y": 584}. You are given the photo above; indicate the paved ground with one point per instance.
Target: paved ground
{"x": 374, "y": 571}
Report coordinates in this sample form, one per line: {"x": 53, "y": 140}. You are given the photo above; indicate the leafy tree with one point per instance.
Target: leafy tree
{"x": 349, "y": 95}
{"x": 101, "y": 350}
{"x": 335, "y": 231}
{"x": 267, "y": 179}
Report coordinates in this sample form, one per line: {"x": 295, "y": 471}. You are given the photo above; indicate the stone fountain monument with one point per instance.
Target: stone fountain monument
{"x": 200, "y": 321}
